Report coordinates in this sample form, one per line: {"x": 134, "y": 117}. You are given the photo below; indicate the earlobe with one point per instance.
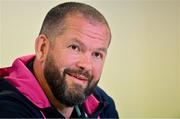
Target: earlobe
{"x": 41, "y": 47}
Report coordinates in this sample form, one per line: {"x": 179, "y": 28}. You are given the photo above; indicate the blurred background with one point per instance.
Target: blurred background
{"x": 142, "y": 69}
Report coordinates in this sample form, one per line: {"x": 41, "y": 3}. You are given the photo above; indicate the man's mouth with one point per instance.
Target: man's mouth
{"x": 78, "y": 76}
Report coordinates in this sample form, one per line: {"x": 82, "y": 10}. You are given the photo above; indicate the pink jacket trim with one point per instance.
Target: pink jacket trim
{"x": 91, "y": 104}
{"x": 24, "y": 80}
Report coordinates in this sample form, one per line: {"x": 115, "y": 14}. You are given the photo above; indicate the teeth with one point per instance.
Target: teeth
{"x": 80, "y": 76}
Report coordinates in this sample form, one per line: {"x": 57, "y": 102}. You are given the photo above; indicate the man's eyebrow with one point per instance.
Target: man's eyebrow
{"x": 102, "y": 49}
{"x": 82, "y": 44}
{"x": 78, "y": 41}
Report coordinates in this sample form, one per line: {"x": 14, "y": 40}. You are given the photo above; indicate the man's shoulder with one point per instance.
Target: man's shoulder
{"x": 109, "y": 110}
{"x": 13, "y": 103}
{"x": 8, "y": 91}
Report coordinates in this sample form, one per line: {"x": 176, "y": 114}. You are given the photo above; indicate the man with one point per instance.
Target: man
{"x": 61, "y": 79}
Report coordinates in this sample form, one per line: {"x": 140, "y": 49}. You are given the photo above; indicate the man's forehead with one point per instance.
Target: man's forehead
{"x": 77, "y": 22}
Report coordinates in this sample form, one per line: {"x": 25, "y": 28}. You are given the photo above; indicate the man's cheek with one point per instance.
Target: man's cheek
{"x": 97, "y": 73}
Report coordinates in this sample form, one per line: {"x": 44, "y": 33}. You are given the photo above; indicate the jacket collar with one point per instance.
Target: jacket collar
{"x": 20, "y": 76}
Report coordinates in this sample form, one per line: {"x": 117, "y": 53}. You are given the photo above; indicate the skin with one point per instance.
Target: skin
{"x": 81, "y": 46}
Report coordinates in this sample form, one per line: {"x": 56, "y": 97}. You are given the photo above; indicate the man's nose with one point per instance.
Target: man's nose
{"x": 85, "y": 63}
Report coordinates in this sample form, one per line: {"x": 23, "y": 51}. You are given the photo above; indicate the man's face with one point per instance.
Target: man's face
{"x": 75, "y": 60}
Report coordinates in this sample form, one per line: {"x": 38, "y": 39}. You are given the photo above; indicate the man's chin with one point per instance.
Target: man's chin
{"x": 70, "y": 100}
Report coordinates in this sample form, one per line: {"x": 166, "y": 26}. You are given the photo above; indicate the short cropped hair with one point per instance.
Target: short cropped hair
{"x": 55, "y": 18}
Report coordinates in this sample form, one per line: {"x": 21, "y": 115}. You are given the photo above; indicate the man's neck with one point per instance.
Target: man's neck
{"x": 65, "y": 111}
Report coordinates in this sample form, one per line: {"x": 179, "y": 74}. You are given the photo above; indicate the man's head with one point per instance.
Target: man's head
{"x": 54, "y": 22}
{"x": 71, "y": 47}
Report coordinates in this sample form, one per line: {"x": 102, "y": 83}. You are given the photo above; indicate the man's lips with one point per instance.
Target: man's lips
{"x": 78, "y": 76}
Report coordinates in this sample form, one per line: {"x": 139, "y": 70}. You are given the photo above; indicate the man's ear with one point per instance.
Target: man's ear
{"x": 41, "y": 47}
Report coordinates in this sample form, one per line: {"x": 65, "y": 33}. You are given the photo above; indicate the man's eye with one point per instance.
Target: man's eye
{"x": 74, "y": 47}
{"x": 97, "y": 55}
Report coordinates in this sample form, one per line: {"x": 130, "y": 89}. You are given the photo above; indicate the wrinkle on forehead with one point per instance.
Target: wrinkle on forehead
{"x": 91, "y": 33}
{"x": 98, "y": 31}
